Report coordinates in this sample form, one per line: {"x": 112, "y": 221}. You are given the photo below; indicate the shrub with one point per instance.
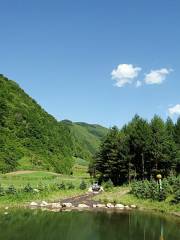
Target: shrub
{"x": 11, "y": 190}
{"x": 83, "y": 185}
{"x": 150, "y": 190}
{"x": 176, "y": 199}
{"x": 61, "y": 186}
{"x": 2, "y": 192}
{"x": 70, "y": 186}
{"x": 108, "y": 185}
{"x": 28, "y": 188}
{"x": 42, "y": 187}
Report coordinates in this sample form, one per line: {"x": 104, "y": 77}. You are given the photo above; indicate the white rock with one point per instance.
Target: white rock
{"x": 127, "y": 207}
{"x": 100, "y": 205}
{"x": 133, "y": 206}
{"x": 44, "y": 204}
{"x": 121, "y": 206}
{"x": 56, "y": 205}
{"x": 33, "y": 204}
{"x": 68, "y": 205}
{"x": 83, "y": 205}
{"x": 94, "y": 205}
{"x": 110, "y": 205}
{"x": 5, "y": 213}
{"x": 6, "y": 208}
{"x": 36, "y": 190}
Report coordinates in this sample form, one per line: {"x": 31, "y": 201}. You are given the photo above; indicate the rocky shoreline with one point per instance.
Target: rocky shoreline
{"x": 78, "y": 203}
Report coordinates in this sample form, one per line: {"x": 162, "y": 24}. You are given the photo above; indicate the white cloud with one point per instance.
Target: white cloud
{"x": 157, "y": 76}
{"x": 174, "y": 110}
{"x": 124, "y": 74}
{"x": 138, "y": 83}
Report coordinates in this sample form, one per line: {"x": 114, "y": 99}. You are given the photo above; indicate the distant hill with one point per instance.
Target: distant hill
{"x": 86, "y": 138}
{"x": 30, "y": 138}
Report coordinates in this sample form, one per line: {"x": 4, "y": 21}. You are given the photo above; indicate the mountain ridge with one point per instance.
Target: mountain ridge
{"x": 32, "y": 138}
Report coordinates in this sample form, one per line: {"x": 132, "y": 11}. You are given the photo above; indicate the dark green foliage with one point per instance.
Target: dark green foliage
{"x": 108, "y": 185}
{"x": 176, "y": 199}
{"x": 139, "y": 151}
{"x": 70, "y": 186}
{"x": 61, "y": 186}
{"x": 83, "y": 185}
{"x": 2, "y": 191}
{"x": 11, "y": 190}
{"x": 28, "y": 188}
{"x": 149, "y": 190}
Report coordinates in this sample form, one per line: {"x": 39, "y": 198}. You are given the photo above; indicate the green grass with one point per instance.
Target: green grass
{"x": 48, "y": 179}
{"x": 115, "y": 195}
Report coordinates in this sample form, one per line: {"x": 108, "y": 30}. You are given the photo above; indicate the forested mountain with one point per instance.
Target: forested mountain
{"x": 31, "y": 138}
{"x": 86, "y": 138}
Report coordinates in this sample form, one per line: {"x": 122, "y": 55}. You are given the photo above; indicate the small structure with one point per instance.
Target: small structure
{"x": 95, "y": 188}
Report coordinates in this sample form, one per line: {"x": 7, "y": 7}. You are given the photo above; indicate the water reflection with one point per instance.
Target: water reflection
{"x": 32, "y": 225}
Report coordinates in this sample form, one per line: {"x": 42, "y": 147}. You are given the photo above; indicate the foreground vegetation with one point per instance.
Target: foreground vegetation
{"x": 146, "y": 195}
{"x": 20, "y": 188}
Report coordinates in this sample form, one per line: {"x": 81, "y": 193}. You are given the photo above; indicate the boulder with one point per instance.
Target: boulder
{"x": 127, "y": 207}
{"x": 100, "y": 205}
{"x": 133, "y": 206}
{"x": 44, "y": 204}
{"x": 110, "y": 205}
{"x": 67, "y": 205}
{"x": 120, "y": 206}
{"x": 33, "y": 204}
{"x": 35, "y": 190}
{"x": 56, "y": 205}
{"x": 83, "y": 205}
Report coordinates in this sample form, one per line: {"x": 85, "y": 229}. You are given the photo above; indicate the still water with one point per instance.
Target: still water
{"x": 38, "y": 225}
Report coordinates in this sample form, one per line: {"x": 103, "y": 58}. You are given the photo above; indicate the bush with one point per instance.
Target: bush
{"x": 108, "y": 185}
{"x": 83, "y": 185}
{"x": 150, "y": 190}
{"x": 28, "y": 188}
{"x": 2, "y": 192}
{"x": 176, "y": 199}
{"x": 11, "y": 190}
{"x": 42, "y": 187}
{"x": 70, "y": 186}
{"x": 61, "y": 186}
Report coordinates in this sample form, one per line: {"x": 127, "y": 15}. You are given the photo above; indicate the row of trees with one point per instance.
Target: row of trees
{"x": 140, "y": 150}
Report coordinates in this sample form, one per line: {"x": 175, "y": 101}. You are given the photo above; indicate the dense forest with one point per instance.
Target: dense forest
{"x": 139, "y": 151}
{"x": 32, "y": 138}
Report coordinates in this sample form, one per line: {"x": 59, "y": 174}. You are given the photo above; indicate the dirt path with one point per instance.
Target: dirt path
{"x": 88, "y": 198}
{"x": 27, "y": 172}
{"x": 85, "y": 199}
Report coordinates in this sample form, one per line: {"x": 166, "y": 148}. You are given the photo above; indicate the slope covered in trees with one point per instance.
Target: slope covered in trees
{"x": 86, "y": 138}
{"x": 140, "y": 150}
{"x": 31, "y": 138}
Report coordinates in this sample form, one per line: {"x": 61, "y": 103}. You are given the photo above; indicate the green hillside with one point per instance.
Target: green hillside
{"x": 86, "y": 138}
{"x": 29, "y": 135}
{"x": 30, "y": 138}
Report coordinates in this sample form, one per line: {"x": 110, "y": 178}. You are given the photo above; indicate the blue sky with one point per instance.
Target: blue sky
{"x": 97, "y": 61}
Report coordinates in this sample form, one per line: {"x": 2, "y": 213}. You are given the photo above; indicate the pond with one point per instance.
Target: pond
{"x": 88, "y": 225}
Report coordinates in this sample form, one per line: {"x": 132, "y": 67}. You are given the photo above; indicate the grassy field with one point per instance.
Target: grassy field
{"x": 45, "y": 180}
{"x": 121, "y": 195}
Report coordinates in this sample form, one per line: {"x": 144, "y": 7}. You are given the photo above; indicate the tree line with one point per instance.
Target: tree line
{"x": 139, "y": 151}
